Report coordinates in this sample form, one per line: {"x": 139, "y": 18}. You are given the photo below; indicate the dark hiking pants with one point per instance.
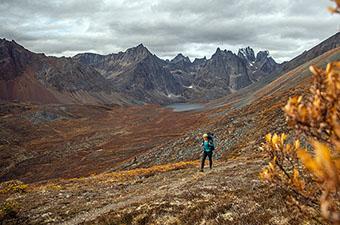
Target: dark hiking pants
{"x": 204, "y": 156}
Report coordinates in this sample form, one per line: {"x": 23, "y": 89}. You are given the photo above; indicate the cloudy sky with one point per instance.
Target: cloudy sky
{"x": 195, "y": 28}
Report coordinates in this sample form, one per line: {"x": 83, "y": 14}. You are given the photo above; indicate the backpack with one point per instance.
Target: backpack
{"x": 211, "y": 140}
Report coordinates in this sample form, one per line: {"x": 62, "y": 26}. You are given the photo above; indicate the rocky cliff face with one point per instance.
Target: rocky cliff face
{"x": 26, "y": 76}
{"x": 144, "y": 76}
{"x": 221, "y": 74}
{"x": 69, "y": 75}
{"x": 198, "y": 63}
{"x": 149, "y": 81}
{"x": 147, "y": 78}
{"x": 180, "y": 62}
{"x": 138, "y": 74}
{"x": 224, "y": 70}
{"x": 114, "y": 64}
{"x": 260, "y": 66}
{"x": 247, "y": 54}
{"x": 13, "y": 59}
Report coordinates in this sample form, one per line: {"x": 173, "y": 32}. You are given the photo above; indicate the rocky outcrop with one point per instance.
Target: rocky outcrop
{"x": 180, "y": 58}
{"x": 180, "y": 62}
{"x": 199, "y": 62}
{"x": 247, "y": 54}
{"x": 27, "y": 76}
{"x": 13, "y": 59}
{"x": 266, "y": 64}
{"x": 69, "y": 75}
{"x": 149, "y": 81}
{"x": 260, "y": 66}
{"x": 223, "y": 73}
{"x": 137, "y": 73}
{"x": 114, "y": 64}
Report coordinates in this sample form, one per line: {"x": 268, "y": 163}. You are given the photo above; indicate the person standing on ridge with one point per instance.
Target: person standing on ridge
{"x": 208, "y": 148}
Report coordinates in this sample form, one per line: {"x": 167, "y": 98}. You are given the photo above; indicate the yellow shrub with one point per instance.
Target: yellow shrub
{"x": 317, "y": 117}
{"x": 13, "y": 186}
{"x": 123, "y": 175}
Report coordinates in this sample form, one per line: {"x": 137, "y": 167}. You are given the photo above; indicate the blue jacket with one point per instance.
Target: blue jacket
{"x": 208, "y": 146}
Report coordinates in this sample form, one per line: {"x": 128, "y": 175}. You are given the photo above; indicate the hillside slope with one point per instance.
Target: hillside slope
{"x": 230, "y": 193}
{"x": 325, "y": 46}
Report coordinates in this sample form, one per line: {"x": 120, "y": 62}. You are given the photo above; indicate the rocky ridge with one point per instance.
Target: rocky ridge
{"x": 137, "y": 75}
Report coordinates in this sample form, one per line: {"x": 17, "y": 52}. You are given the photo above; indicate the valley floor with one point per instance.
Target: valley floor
{"x": 41, "y": 142}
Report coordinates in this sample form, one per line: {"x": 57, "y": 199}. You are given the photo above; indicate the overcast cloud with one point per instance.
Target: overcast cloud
{"x": 195, "y": 28}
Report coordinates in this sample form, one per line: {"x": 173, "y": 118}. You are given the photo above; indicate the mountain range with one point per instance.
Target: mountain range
{"x": 136, "y": 75}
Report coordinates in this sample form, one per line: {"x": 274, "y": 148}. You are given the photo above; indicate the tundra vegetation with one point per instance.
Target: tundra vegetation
{"x": 312, "y": 172}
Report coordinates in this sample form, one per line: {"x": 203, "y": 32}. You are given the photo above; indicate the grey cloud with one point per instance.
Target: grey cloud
{"x": 167, "y": 27}
{"x": 53, "y": 9}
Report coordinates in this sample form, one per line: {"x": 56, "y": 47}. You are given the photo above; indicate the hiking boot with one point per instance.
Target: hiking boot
{"x": 201, "y": 170}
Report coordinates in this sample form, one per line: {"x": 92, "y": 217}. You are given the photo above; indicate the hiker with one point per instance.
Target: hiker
{"x": 208, "y": 148}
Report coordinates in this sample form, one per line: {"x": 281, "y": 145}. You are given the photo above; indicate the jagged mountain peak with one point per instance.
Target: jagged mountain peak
{"x": 14, "y": 58}
{"x": 200, "y": 59}
{"x": 219, "y": 53}
{"x": 87, "y": 55}
{"x": 3, "y": 40}
{"x": 218, "y": 50}
{"x": 139, "y": 50}
{"x": 261, "y": 55}
{"x": 180, "y": 57}
{"x": 247, "y": 54}
{"x": 7, "y": 43}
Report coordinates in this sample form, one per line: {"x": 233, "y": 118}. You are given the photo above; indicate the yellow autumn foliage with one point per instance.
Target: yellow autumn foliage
{"x": 312, "y": 173}
{"x": 317, "y": 116}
